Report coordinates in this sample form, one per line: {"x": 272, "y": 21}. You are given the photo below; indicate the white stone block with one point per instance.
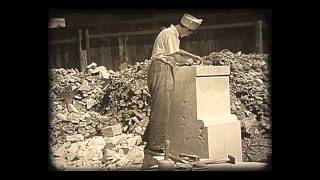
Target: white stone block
{"x": 111, "y": 131}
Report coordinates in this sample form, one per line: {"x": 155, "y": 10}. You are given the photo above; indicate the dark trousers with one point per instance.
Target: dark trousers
{"x": 161, "y": 86}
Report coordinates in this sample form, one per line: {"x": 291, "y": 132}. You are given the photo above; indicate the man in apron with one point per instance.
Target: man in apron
{"x": 166, "y": 55}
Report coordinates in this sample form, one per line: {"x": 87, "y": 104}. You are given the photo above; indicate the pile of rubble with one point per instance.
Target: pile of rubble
{"x": 98, "y": 107}
{"x": 120, "y": 151}
{"x": 250, "y": 99}
{"x": 97, "y": 117}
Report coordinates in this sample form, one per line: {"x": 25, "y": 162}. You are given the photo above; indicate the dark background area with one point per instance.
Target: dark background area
{"x": 119, "y": 35}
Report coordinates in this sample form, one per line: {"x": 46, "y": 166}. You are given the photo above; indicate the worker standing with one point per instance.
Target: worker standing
{"x": 166, "y": 56}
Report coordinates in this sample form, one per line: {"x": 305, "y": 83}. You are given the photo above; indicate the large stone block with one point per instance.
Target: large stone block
{"x": 224, "y": 137}
{"x": 212, "y": 96}
{"x": 201, "y": 122}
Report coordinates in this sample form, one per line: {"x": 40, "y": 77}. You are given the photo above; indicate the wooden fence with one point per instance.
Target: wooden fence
{"x": 112, "y": 49}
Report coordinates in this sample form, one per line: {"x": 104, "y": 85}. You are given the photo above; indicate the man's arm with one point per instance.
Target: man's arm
{"x": 185, "y": 53}
{"x": 198, "y": 59}
{"x": 180, "y": 60}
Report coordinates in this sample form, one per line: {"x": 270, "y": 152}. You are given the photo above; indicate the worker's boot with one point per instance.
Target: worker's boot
{"x": 150, "y": 159}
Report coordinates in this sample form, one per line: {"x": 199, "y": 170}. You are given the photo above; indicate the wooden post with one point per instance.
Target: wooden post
{"x": 125, "y": 49}
{"x": 120, "y": 49}
{"x": 259, "y": 40}
{"x": 80, "y": 48}
{"x": 108, "y": 60}
{"x": 88, "y": 46}
{"x": 82, "y": 53}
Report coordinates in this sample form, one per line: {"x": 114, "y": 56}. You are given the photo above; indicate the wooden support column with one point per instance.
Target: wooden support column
{"x": 259, "y": 40}
{"x": 121, "y": 50}
{"x": 88, "y": 46}
{"x": 82, "y": 53}
{"x": 125, "y": 49}
{"x": 108, "y": 60}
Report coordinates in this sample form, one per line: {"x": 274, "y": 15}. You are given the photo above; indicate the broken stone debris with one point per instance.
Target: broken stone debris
{"x": 106, "y": 98}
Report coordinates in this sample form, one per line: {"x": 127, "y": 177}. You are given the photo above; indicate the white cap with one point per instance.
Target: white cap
{"x": 190, "y": 22}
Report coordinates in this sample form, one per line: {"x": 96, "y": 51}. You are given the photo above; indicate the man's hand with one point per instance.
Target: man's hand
{"x": 189, "y": 61}
{"x": 198, "y": 60}
{"x": 186, "y": 62}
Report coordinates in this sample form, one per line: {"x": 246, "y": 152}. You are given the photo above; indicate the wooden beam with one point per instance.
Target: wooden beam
{"x": 222, "y": 26}
{"x": 104, "y": 35}
{"x": 64, "y": 41}
{"x": 174, "y": 17}
{"x": 146, "y": 32}
{"x": 219, "y": 26}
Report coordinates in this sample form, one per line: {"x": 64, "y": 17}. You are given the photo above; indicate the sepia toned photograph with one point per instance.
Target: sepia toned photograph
{"x": 159, "y": 90}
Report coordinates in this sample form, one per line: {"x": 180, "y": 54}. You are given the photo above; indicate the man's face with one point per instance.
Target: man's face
{"x": 186, "y": 32}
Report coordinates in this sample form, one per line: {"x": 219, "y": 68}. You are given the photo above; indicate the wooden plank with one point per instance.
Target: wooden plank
{"x": 222, "y": 26}
{"x": 64, "y": 41}
{"x": 87, "y": 47}
{"x": 195, "y": 47}
{"x": 120, "y": 45}
{"x": 80, "y": 48}
{"x": 209, "y": 27}
{"x": 58, "y": 57}
{"x": 150, "y": 48}
{"x": 101, "y": 55}
{"x": 74, "y": 56}
{"x": 66, "y": 58}
{"x": 83, "y": 59}
{"x": 62, "y": 57}
{"x": 203, "y": 44}
{"x": 108, "y": 60}
{"x": 210, "y": 46}
{"x": 93, "y": 58}
{"x": 129, "y": 49}
{"x": 125, "y": 49}
{"x": 259, "y": 41}
{"x": 82, "y": 55}
{"x": 97, "y": 56}
{"x": 51, "y": 60}
{"x": 132, "y": 50}
{"x": 115, "y": 56}
{"x": 104, "y": 35}
{"x": 139, "y": 51}
{"x": 176, "y": 16}
{"x": 155, "y": 31}
{"x": 206, "y": 50}
{"x": 146, "y": 52}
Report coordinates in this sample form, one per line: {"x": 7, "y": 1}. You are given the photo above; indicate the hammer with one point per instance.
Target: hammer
{"x": 166, "y": 164}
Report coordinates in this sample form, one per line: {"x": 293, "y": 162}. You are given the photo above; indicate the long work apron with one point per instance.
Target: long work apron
{"x": 161, "y": 85}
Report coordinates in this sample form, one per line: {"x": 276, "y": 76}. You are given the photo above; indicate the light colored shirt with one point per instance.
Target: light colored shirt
{"x": 166, "y": 43}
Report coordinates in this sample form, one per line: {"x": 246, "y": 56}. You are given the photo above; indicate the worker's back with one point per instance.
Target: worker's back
{"x": 166, "y": 43}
